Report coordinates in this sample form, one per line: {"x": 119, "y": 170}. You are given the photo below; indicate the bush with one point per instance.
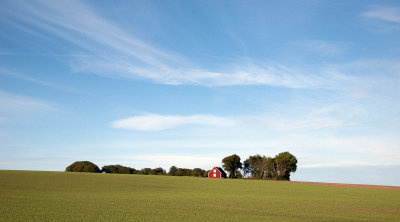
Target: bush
{"x": 197, "y": 172}
{"x": 172, "y": 171}
{"x": 183, "y": 172}
{"x": 83, "y": 166}
{"x": 145, "y": 171}
{"x": 118, "y": 169}
{"x": 158, "y": 171}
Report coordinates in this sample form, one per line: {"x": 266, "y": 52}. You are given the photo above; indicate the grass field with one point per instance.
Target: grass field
{"x": 58, "y": 196}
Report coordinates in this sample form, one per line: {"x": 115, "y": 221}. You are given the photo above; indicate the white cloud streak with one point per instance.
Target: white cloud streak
{"x": 119, "y": 54}
{"x": 11, "y": 104}
{"x": 19, "y": 76}
{"x": 390, "y": 14}
{"x": 333, "y": 116}
{"x": 154, "y": 122}
{"x": 324, "y": 48}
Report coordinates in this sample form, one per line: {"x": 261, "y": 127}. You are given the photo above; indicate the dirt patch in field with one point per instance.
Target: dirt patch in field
{"x": 361, "y": 186}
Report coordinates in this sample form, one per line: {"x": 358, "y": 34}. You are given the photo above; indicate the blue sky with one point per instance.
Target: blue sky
{"x": 186, "y": 83}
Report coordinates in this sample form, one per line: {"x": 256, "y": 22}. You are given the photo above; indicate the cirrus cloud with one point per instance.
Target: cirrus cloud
{"x": 391, "y": 14}
{"x": 155, "y": 122}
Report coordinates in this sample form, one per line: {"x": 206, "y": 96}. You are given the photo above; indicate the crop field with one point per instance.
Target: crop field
{"x": 59, "y": 196}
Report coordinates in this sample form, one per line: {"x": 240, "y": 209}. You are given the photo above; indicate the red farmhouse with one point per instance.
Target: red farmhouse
{"x": 217, "y": 172}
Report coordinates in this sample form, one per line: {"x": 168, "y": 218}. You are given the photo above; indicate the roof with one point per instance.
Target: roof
{"x": 223, "y": 174}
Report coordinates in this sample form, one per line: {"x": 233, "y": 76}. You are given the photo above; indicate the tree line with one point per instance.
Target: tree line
{"x": 256, "y": 167}
{"x": 261, "y": 167}
{"x": 89, "y": 167}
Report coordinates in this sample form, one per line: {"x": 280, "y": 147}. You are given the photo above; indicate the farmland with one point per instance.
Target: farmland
{"x": 59, "y": 196}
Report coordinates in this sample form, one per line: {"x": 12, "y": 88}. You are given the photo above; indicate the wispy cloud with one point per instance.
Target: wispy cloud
{"x": 19, "y": 76}
{"x": 152, "y": 122}
{"x": 12, "y": 104}
{"x": 390, "y": 14}
{"x": 324, "y": 48}
{"x": 43, "y": 54}
{"x": 333, "y": 116}
{"x": 120, "y": 54}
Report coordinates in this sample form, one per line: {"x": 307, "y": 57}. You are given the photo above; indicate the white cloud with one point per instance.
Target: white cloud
{"x": 153, "y": 122}
{"x": 37, "y": 81}
{"x": 120, "y": 54}
{"x": 12, "y": 104}
{"x": 324, "y": 48}
{"x": 391, "y": 14}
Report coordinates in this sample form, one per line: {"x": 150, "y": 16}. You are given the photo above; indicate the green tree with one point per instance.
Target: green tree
{"x": 255, "y": 166}
{"x": 83, "y": 166}
{"x": 145, "y": 171}
{"x": 246, "y": 168}
{"x": 184, "y": 172}
{"x": 238, "y": 174}
{"x": 284, "y": 164}
{"x": 172, "y": 171}
{"x": 158, "y": 171}
{"x": 232, "y": 164}
{"x": 118, "y": 169}
{"x": 197, "y": 172}
{"x": 269, "y": 167}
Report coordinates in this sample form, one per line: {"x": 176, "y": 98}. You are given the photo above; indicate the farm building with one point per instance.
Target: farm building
{"x": 217, "y": 172}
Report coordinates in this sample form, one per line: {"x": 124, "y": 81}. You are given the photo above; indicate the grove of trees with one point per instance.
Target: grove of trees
{"x": 262, "y": 167}
{"x": 118, "y": 169}
{"x": 256, "y": 167}
{"x": 89, "y": 167}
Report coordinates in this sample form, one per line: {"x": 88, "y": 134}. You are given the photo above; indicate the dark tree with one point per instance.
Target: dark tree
{"x": 172, "y": 171}
{"x": 238, "y": 174}
{"x": 232, "y": 164}
{"x": 197, "y": 172}
{"x": 118, "y": 169}
{"x": 269, "y": 167}
{"x": 246, "y": 168}
{"x": 145, "y": 171}
{"x": 255, "y": 166}
{"x": 285, "y": 163}
{"x": 158, "y": 171}
{"x": 184, "y": 172}
{"x": 205, "y": 174}
{"x": 83, "y": 166}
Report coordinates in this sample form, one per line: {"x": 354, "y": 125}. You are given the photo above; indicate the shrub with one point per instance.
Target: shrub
{"x": 83, "y": 166}
{"x": 158, "y": 171}
{"x": 118, "y": 169}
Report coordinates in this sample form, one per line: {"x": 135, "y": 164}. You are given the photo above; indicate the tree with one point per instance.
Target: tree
{"x": 145, "y": 171}
{"x": 118, "y": 169}
{"x": 158, "y": 171}
{"x": 183, "y": 172}
{"x": 284, "y": 164}
{"x": 83, "y": 166}
{"x": 232, "y": 164}
{"x": 269, "y": 167}
{"x": 197, "y": 172}
{"x": 246, "y": 168}
{"x": 255, "y": 166}
{"x": 172, "y": 171}
{"x": 239, "y": 174}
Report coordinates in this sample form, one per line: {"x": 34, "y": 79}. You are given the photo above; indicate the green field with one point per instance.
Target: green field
{"x": 59, "y": 196}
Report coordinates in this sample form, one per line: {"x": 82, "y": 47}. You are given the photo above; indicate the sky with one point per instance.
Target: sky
{"x": 159, "y": 83}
